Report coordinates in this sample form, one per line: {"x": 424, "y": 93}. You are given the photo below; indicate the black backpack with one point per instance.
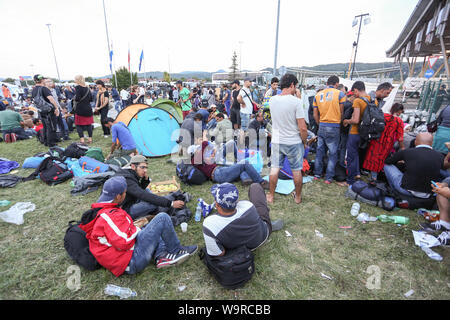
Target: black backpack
{"x": 232, "y": 270}
{"x": 76, "y": 244}
{"x": 51, "y": 171}
{"x": 189, "y": 174}
{"x": 43, "y": 106}
{"x": 75, "y": 150}
{"x": 372, "y": 123}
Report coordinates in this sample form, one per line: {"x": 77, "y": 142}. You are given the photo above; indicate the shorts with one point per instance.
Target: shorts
{"x": 294, "y": 153}
{"x": 235, "y": 116}
{"x": 245, "y": 121}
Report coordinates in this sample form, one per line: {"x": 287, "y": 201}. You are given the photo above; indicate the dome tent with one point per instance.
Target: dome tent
{"x": 154, "y": 130}
{"x": 171, "y": 107}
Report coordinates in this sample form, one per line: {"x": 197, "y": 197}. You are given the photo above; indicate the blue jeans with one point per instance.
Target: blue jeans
{"x": 353, "y": 157}
{"x": 245, "y": 121}
{"x": 394, "y": 177}
{"x": 142, "y": 209}
{"x": 228, "y": 106}
{"x": 328, "y": 138}
{"x": 157, "y": 238}
{"x": 294, "y": 153}
{"x": 231, "y": 174}
{"x": 20, "y": 133}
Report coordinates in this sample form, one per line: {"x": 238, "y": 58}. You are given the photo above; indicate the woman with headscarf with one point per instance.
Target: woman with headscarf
{"x": 380, "y": 149}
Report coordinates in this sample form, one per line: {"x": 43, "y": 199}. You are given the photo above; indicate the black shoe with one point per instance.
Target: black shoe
{"x": 247, "y": 182}
{"x": 444, "y": 239}
{"x": 265, "y": 184}
{"x": 433, "y": 227}
{"x": 277, "y": 225}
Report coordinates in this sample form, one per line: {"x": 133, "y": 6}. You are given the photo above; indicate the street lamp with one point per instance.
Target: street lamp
{"x": 56, "y": 63}
{"x": 276, "y": 41}
{"x": 355, "y": 22}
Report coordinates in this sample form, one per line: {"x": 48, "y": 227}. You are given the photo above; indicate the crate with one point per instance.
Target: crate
{"x": 168, "y": 182}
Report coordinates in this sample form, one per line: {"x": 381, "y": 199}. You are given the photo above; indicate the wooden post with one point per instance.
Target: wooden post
{"x": 444, "y": 55}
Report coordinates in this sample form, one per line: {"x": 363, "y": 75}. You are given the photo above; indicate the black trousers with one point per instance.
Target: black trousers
{"x": 50, "y": 124}
{"x": 103, "y": 116}
{"x": 257, "y": 196}
{"x": 81, "y": 129}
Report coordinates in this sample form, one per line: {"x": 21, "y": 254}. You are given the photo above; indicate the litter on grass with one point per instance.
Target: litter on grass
{"x": 409, "y": 293}
{"x": 326, "y": 277}
{"x": 319, "y": 234}
{"x": 288, "y": 234}
{"x": 181, "y": 288}
{"x": 15, "y": 213}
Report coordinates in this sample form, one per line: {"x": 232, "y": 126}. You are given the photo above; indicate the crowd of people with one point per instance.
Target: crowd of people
{"x": 215, "y": 128}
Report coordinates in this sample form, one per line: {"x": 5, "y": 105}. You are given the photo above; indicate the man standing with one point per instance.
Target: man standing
{"x": 272, "y": 91}
{"x": 48, "y": 119}
{"x": 235, "y": 116}
{"x": 7, "y": 94}
{"x": 383, "y": 91}
{"x": 359, "y": 106}
{"x": 328, "y": 111}
{"x": 246, "y": 104}
{"x": 184, "y": 100}
{"x": 226, "y": 99}
{"x": 125, "y": 96}
{"x": 289, "y": 134}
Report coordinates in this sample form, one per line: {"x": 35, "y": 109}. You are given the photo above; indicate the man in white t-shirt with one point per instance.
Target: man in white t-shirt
{"x": 125, "y": 96}
{"x": 289, "y": 134}
{"x": 244, "y": 98}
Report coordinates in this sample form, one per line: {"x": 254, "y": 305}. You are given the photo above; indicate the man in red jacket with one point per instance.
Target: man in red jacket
{"x": 120, "y": 246}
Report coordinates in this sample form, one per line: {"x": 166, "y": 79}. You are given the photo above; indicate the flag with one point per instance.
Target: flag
{"x": 110, "y": 59}
{"x": 129, "y": 69}
{"x": 140, "y": 59}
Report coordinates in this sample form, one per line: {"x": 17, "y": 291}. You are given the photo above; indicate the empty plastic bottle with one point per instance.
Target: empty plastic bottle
{"x": 123, "y": 293}
{"x": 355, "y": 209}
{"x": 4, "y": 203}
{"x": 393, "y": 219}
{"x": 198, "y": 211}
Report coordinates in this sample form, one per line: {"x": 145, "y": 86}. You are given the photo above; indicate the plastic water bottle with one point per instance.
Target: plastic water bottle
{"x": 355, "y": 209}
{"x": 393, "y": 219}
{"x": 123, "y": 293}
{"x": 198, "y": 212}
{"x": 4, "y": 203}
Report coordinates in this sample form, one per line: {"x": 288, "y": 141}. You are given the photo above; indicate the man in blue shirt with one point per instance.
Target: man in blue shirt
{"x": 122, "y": 141}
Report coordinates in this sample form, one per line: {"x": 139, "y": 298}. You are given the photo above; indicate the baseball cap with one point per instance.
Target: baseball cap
{"x": 205, "y": 103}
{"x": 113, "y": 187}
{"x": 226, "y": 195}
{"x": 38, "y": 77}
{"x": 179, "y": 82}
{"x": 138, "y": 159}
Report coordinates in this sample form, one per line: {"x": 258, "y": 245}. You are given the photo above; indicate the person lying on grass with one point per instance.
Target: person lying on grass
{"x": 121, "y": 247}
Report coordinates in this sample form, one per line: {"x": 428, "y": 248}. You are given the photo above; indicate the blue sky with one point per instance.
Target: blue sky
{"x": 196, "y": 35}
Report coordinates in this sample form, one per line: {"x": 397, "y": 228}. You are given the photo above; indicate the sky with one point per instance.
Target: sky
{"x": 194, "y": 35}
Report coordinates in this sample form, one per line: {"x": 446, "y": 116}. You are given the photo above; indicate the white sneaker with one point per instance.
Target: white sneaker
{"x": 105, "y": 136}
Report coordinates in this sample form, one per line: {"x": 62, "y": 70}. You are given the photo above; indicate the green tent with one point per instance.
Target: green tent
{"x": 171, "y": 107}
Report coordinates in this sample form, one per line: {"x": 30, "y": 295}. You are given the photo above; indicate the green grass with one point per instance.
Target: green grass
{"x": 34, "y": 263}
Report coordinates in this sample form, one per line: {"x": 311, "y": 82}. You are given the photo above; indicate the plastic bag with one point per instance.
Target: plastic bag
{"x": 15, "y": 213}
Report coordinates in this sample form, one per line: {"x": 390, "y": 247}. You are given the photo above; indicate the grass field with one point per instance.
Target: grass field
{"x": 35, "y": 265}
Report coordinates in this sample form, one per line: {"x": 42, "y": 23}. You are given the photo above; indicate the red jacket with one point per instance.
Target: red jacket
{"x": 111, "y": 236}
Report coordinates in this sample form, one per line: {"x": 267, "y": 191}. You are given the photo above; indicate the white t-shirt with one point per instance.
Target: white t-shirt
{"x": 249, "y": 106}
{"x": 285, "y": 110}
{"x": 124, "y": 94}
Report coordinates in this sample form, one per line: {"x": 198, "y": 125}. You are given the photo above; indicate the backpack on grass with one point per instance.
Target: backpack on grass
{"x": 95, "y": 153}
{"x": 370, "y": 194}
{"x": 190, "y": 174}
{"x": 234, "y": 269}
{"x": 52, "y": 171}
{"x": 76, "y": 244}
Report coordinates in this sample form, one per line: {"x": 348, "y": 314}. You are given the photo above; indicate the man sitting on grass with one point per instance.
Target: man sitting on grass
{"x": 237, "y": 222}
{"x": 139, "y": 201}
{"x": 121, "y": 247}
{"x": 122, "y": 141}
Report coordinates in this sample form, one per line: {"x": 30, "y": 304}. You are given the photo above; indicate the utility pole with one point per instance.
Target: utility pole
{"x": 56, "y": 63}
{"x": 357, "y": 41}
{"x": 276, "y": 41}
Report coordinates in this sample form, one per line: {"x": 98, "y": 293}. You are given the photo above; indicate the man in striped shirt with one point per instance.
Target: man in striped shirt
{"x": 237, "y": 222}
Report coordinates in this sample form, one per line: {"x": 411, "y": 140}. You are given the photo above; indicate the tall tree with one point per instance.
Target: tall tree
{"x": 234, "y": 67}
{"x": 123, "y": 78}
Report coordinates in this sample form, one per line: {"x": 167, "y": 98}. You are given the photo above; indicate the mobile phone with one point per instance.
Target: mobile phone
{"x": 435, "y": 184}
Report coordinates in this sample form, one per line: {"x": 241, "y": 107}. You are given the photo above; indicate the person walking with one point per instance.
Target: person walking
{"x": 84, "y": 117}
{"x": 184, "y": 100}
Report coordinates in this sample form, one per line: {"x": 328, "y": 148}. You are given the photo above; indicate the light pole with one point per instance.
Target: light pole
{"x": 240, "y": 56}
{"x": 51, "y": 40}
{"x": 276, "y": 41}
{"x": 357, "y": 41}
{"x": 109, "y": 48}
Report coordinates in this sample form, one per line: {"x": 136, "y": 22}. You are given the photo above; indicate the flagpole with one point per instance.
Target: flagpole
{"x": 107, "y": 38}
{"x": 145, "y": 72}
{"x": 129, "y": 65}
